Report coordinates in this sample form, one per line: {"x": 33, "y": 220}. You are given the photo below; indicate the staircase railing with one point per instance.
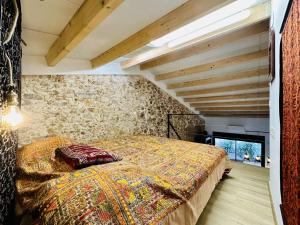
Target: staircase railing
{"x": 171, "y": 126}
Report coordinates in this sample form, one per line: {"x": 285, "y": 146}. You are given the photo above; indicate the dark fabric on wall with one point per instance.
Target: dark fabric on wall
{"x": 8, "y": 139}
{"x": 8, "y": 143}
{"x": 291, "y": 116}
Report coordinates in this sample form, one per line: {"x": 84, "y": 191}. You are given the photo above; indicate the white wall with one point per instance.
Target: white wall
{"x": 248, "y": 125}
{"x": 278, "y": 10}
{"x": 37, "y": 65}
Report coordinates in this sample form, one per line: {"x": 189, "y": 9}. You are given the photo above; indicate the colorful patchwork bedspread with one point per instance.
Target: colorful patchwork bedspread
{"x": 154, "y": 178}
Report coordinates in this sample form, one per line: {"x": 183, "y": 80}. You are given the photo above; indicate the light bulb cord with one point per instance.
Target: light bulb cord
{"x": 14, "y": 24}
{"x": 11, "y": 80}
{"x": 8, "y": 39}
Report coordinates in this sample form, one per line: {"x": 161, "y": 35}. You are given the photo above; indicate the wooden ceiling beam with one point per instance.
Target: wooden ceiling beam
{"x": 202, "y": 47}
{"x": 213, "y": 65}
{"x": 237, "y": 108}
{"x": 227, "y": 97}
{"x": 235, "y": 112}
{"x": 219, "y": 79}
{"x": 240, "y": 87}
{"x": 239, "y": 114}
{"x": 87, "y": 17}
{"x": 232, "y": 103}
{"x": 179, "y": 17}
{"x": 258, "y": 13}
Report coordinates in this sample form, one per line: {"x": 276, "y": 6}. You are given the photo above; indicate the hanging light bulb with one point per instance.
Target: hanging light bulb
{"x": 13, "y": 118}
{"x": 12, "y": 115}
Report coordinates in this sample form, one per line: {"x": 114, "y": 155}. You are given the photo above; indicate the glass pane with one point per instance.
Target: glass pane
{"x": 228, "y": 145}
{"x": 249, "y": 152}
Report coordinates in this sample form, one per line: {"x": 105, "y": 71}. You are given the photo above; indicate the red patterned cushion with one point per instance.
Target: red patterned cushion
{"x": 79, "y": 156}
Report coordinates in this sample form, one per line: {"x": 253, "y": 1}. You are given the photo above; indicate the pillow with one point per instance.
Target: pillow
{"x": 79, "y": 156}
{"x": 39, "y": 156}
{"x": 36, "y": 163}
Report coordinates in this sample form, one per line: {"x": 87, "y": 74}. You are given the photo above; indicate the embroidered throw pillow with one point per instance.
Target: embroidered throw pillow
{"x": 79, "y": 156}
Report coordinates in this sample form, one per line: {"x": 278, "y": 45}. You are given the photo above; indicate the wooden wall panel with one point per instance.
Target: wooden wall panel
{"x": 291, "y": 117}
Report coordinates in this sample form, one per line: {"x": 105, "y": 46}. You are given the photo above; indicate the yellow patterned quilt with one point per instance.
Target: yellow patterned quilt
{"x": 154, "y": 178}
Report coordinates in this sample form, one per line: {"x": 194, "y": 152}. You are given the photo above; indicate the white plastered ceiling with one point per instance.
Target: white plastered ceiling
{"x": 44, "y": 20}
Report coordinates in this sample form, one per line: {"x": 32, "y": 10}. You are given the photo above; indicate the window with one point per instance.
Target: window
{"x": 228, "y": 145}
{"x": 248, "y": 149}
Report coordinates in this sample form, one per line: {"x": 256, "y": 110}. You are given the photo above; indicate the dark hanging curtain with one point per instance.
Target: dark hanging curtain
{"x": 8, "y": 139}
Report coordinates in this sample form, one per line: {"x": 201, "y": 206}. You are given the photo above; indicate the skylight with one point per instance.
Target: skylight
{"x": 227, "y": 15}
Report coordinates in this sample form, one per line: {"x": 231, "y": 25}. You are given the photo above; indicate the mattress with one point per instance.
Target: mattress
{"x": 159, "y": 181}
{"x": 189, "y": 212}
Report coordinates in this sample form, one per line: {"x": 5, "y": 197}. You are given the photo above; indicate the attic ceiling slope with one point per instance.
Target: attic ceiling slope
{"x": 212, "y": 65}
{"x": 219, "y": 79}
{"x": 180, "y": 16}
{"x": 258, "y": 18}
{"x": 226, "y": 65}
{"x": 204, "y": 46}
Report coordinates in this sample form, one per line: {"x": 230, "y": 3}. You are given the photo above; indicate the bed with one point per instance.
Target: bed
{"x": 159, "y": 181}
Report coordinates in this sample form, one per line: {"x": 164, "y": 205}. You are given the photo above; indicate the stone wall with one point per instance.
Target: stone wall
{"x": 91, "y": 107}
